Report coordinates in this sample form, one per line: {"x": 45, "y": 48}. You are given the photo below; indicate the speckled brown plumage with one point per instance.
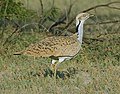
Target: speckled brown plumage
{"x": 55, "y": 46}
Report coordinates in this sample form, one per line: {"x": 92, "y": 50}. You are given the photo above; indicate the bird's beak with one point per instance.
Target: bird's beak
{"x": 91, "y": 15}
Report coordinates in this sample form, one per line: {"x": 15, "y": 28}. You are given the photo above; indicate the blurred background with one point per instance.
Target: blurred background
{"x": 95, "y": 70}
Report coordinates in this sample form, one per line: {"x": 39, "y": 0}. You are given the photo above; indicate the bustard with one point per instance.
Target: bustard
{"x": 59, "y": 48}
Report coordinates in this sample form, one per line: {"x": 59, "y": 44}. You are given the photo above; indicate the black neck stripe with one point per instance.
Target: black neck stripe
{"x": 77, "y": 26}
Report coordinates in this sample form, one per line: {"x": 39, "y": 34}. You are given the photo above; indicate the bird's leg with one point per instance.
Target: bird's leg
{"x": 55, "y": 68}
{"x": 55, "y": 71}
{"x": 55, "y": 76}
{"x": 53, "y": 65}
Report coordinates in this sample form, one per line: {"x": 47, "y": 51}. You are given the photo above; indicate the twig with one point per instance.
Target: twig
{"x": 17, "y": 30}
{"x": 114, "y": 7}
{"x": 69, "y": 23}
{"x": 103, "y": 5}
{"x": 41, "y": 4}
{"x": 63, "y": 18}
{"x": 4, "y": 16}
{"x": 89, "y": 9}
{"x": 44, "y": 17}
{"x": 9, "y": 37}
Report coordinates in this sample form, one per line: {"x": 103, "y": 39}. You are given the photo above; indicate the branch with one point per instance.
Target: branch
{"x": 103, "y": 5}
{"x": 89, "y": 9}
{"x": 41, "y": 4}
{"x": 114, "y": 7}
{"x": 17, "y": 30}
{"x": 62, "y": 19}
{"x": 10, "y": 37}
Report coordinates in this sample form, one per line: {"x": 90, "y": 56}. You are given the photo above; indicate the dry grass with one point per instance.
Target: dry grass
{"x": 95, "y": 70}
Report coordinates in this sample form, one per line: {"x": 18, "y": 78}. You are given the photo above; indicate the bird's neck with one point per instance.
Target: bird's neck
{"x": 79, "y": 29}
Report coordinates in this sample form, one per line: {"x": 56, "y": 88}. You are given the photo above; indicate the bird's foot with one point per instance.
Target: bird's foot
{"x": 52, "y": 67}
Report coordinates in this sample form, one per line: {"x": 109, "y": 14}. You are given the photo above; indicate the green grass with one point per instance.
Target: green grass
{"x": 95, "y": 70}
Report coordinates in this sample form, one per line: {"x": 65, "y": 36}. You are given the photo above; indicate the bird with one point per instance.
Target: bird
{"x": 59, "y": 48}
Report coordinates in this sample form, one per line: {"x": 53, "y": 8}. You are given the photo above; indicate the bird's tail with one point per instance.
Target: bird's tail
{"x": 18, "y": 53}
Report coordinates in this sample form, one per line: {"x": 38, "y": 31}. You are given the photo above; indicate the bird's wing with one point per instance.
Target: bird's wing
{"x": 54, "y": 46}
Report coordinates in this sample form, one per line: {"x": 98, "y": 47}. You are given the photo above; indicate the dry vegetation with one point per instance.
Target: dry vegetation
{"x": 95, "y": 70}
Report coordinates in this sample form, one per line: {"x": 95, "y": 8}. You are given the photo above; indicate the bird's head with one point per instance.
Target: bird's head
{"x": 82, "y": 17}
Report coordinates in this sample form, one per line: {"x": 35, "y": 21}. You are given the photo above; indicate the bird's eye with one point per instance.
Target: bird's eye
{"x": 84, "y": 15}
